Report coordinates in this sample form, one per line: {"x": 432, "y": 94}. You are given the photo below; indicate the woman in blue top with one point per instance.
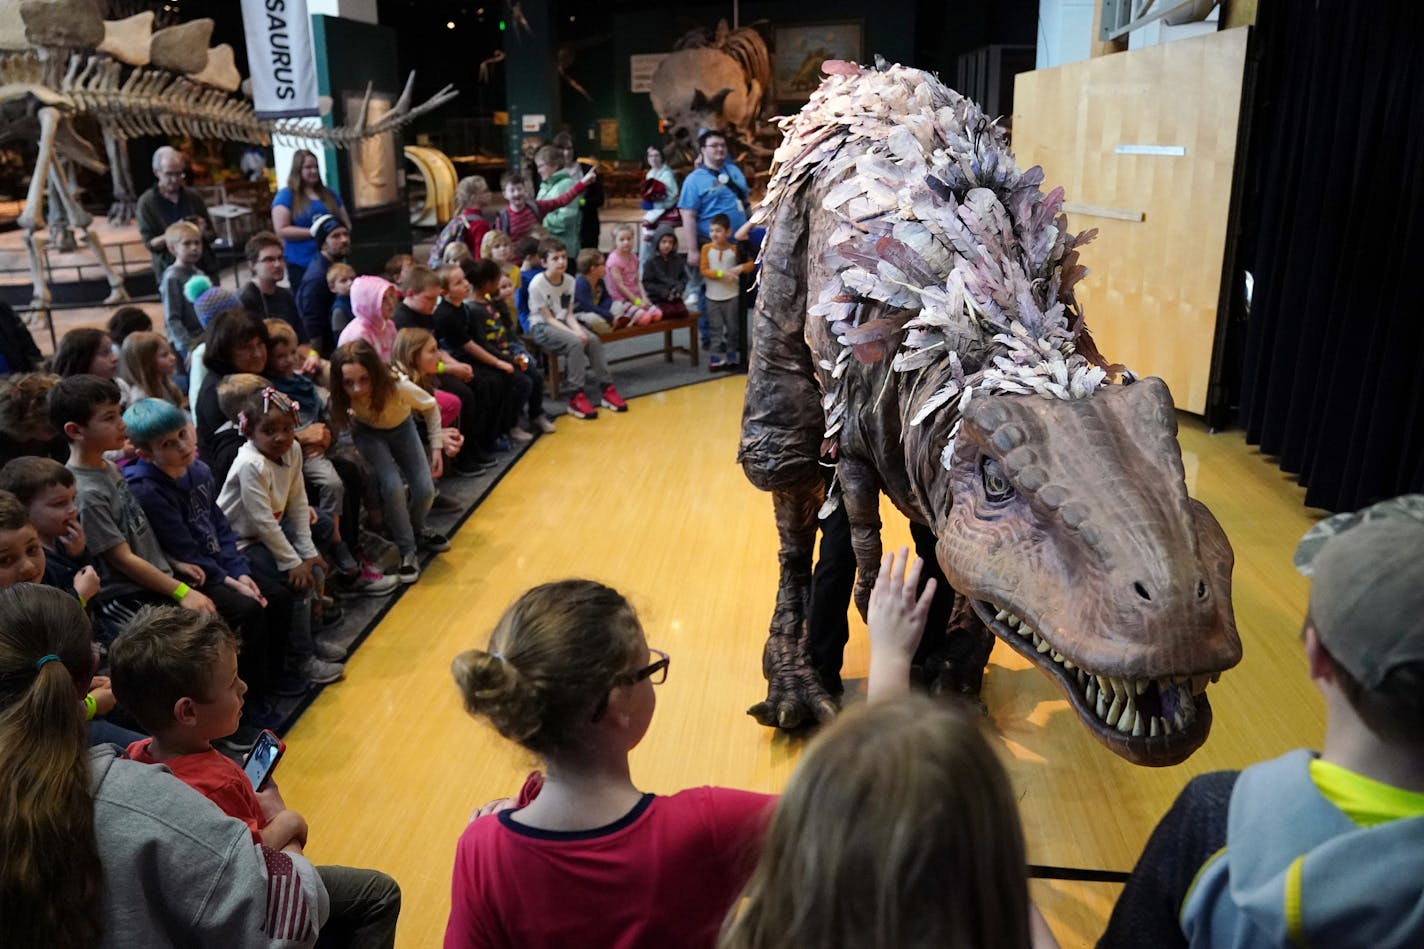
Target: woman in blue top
{"x": 296, "y": 206}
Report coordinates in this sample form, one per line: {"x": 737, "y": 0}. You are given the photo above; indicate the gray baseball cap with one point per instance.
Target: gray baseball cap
{"x": 1367, "y": 586}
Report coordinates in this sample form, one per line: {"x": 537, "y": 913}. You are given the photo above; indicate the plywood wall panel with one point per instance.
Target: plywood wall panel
{"x": 1152, "y": 291}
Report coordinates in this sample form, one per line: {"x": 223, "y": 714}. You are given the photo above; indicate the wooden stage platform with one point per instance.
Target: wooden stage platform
{"x": 387, "y": 767}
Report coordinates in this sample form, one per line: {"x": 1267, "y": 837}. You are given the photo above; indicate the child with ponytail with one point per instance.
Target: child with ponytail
{"x": 91, "y": 850}
{"x": 584, "y": 857}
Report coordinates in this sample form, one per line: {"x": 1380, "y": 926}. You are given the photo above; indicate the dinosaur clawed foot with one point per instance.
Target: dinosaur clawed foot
{"x": 794, "y": 696}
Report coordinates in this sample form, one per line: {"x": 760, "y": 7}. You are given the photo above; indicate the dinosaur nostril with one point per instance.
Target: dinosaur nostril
{"x": 1201, "y": 589}
{"x": 1142, "y": 591}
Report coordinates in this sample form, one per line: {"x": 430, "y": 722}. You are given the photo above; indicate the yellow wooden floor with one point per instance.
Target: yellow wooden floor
{"x": 387, "y": 767}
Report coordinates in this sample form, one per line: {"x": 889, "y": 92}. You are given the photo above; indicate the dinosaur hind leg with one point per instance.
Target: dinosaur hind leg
{"x": 794, "y": 693}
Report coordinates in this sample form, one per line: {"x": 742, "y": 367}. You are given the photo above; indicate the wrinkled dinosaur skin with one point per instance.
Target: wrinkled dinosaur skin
{"x": 1089, "y": 541}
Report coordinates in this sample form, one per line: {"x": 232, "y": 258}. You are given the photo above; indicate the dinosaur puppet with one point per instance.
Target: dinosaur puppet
{"x": 916, "y": 327}
{"x": 59, "y": 61}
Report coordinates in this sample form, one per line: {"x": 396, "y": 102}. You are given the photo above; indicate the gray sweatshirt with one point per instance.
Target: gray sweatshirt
{"x": 179, "y": 872}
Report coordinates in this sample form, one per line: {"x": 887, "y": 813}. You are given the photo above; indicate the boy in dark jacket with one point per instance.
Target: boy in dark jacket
{"x": 665, "y": 275}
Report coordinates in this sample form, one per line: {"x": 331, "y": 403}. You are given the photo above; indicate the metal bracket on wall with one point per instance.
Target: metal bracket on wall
{"x": 1119, "y": 18}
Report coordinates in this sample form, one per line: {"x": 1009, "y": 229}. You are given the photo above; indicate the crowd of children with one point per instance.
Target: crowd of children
{"x": 198, "y": 493}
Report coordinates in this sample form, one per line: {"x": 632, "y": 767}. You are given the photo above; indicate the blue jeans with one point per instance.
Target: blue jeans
{"x": 398, "y": 461}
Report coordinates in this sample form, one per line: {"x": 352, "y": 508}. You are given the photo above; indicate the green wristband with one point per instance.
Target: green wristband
{"x": 91, "y": 708}
{"x": 180, "y": 591}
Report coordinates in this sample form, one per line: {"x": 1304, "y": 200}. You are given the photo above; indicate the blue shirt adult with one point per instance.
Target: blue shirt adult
{"x": 708, "y": 193}
{"x": 300, "y": 253}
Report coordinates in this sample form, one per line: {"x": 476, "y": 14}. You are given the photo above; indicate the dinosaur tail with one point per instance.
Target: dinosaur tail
{"x": 781, "y": 418}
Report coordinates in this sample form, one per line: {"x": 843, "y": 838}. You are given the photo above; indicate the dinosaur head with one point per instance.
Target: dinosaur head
{"x": 1073, "y": 535}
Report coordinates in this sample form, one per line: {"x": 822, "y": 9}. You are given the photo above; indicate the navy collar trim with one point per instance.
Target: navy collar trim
{"x": 507, "y": 819}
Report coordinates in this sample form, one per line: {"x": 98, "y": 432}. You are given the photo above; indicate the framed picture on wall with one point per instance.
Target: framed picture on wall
{"x": 374, "y": 164}
{"x": 800, "y": 50}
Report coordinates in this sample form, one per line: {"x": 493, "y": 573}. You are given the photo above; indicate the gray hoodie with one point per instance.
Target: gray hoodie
{"x": 1297, "y": 871}
{"x": 179, "y": 872}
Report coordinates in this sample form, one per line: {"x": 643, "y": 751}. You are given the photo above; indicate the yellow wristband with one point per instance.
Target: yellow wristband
{"x": 440, "y": 366}
{"x": 637, "y": 301}
{"x": 719, "y": 275}
{"x": 180, "y": 591}
{"x": 83, "y": 603}
{"x": 91, "y": 708}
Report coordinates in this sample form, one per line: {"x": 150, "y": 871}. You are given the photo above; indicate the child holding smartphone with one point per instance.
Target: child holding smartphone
{"x": 179, "y": 678}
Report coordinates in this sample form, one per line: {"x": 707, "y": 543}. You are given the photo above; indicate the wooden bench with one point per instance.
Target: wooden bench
{"x": 666, "y": 327}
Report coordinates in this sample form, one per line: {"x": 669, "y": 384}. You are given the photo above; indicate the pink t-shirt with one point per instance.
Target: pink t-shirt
{"x": 626, "y": 266}
{"x": 664, "y": 875}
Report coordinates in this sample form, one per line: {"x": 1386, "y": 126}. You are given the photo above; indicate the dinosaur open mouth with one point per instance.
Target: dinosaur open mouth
{"x": 1155, "y": 721}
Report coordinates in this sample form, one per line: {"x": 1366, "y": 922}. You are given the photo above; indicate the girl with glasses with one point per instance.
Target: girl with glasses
{"x": 583, "y": 857}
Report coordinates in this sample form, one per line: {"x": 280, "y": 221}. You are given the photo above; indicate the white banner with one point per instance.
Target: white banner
{"x": 279, "y": 55}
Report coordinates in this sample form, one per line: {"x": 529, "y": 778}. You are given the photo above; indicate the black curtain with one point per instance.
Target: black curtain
{"x": 1333, "y": 378}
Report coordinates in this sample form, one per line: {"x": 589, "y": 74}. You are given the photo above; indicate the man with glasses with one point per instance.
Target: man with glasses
{"x": 168, "y": 202}
{"x": 717, "y": 186}
{"x": 263, "y": 294}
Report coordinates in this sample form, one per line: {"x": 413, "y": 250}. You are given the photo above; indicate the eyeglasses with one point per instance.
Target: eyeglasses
{"x": 654, "y": 672}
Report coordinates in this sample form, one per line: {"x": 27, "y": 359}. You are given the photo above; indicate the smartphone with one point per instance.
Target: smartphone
{"x": 263, "y": 758}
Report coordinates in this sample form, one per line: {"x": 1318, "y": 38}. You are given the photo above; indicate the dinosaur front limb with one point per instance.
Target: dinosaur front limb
{"x": 794, "y": 693}
{"x": 33, "y": 213}
{"x": 860, "y": 493}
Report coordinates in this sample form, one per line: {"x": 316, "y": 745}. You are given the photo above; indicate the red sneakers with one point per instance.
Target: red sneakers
{"x": 580, "y": 407}
{"x": 612, "y": 400}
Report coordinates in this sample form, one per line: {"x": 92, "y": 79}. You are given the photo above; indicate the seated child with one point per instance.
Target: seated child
{"x": 454, "y": 253}
{"x": 179, "y": 675}
{"x": 531, "y": 262}
{"x": 126, "y": 320}
{"x": 554, "y": 327}
{"x": 22, "y": 560}
{"x": 378, "y": 408}
{"x": 265, "y": 500}
{"x": 416, "y": 359}
{"x": 180, "y": 499}
{"x": 623, "y": 281}
{"x": 132, "y": 565}
{"x": 499, "y": 248}
{"x": 665, "y": 276}
{"x": 396, "y": 269}
{"x": 47, "y": 489}
{"x": 332, "y": 472}
{"x": 568, "y": 675}
{"x": 482, "y": 397}
{"x": 722, "y": 270}
{"x": 338, "y": 279}
{"x": 185, "y": 243}
{"x": 593, "y": 307}
{"x": 492, "y": 381}
{"x": 493, "y": 329}
{"x": 373, "y": 304}
{"x": 147, "y": 363}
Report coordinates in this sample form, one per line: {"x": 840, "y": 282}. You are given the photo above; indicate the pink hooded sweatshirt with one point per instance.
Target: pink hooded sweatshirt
{"x": 366, "y": 295}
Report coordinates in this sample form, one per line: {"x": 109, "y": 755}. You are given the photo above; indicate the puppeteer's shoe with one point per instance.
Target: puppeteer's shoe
{"x": 545, "y": 424}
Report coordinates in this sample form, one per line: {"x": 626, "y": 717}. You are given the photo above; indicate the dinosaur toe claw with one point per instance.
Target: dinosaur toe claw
{"x": 826, "y": 710}
{"x": 762, "y": 712}
{"x": 789, "y": 715}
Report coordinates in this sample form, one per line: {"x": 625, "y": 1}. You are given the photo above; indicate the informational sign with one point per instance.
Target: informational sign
{"x": 533, "y": 123}
{"x": 642, "y": 68}
{"x": 279, "y": 57}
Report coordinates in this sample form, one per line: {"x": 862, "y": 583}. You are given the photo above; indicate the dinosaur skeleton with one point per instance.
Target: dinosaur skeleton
{"x": 916, "y": 327}
{"x": 135, "y": 81}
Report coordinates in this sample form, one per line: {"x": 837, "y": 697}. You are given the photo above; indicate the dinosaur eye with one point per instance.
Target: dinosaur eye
{"x": 997, "y": 487}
